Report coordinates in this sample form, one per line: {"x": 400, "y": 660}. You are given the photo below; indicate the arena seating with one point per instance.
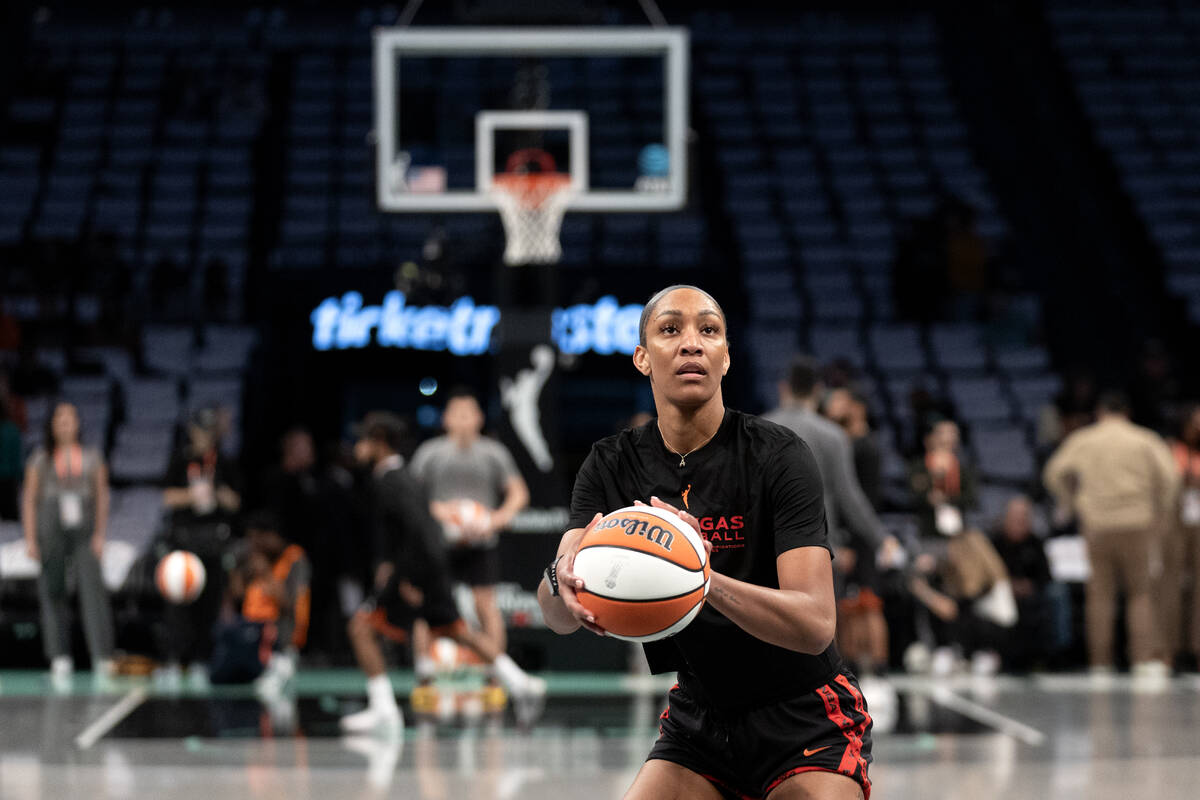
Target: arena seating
{"x": 1138, "y": 80}
{"x": 827, "y": 137}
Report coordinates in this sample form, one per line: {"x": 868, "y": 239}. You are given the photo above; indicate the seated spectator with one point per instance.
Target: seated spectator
{"x": 270, "y": 608}
{"x": 943, "y": 482}
{"x": 1043, "y": 630}
{"x": 967, "y": 593}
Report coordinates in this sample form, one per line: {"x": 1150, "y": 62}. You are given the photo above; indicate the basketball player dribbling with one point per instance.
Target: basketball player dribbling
{"x": 764, "y": 706}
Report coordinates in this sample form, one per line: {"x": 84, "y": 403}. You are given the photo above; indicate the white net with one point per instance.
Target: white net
{"x": 531, "y": 207}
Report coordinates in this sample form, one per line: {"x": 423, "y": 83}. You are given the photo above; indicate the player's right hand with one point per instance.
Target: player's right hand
{"x": 569, "y": 582}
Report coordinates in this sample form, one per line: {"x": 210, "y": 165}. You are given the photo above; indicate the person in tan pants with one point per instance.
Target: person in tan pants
{"x": 1121, "y": 482}
{"x": 1181, "y": 555}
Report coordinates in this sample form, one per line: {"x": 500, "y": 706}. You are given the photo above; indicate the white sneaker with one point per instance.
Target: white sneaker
{"x": 882, "y": 702}
{"x": 61, "y": 667}
{"x": 944, "y": 662}
{"x": 985, "y": 663}
{"x": 529, "y": 699}
{"x": 1150, "y": 676}
{"x": 276, "y": 676}
{"x": 169, "y": 678}
{"x": 1101, "y": 678}
{"x": 61, "y": 670}
{"x": 198, "y": 678}
{"x": 386, "y": 721}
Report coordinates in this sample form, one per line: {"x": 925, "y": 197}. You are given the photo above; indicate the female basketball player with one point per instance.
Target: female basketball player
{"x": 764, "y": 706}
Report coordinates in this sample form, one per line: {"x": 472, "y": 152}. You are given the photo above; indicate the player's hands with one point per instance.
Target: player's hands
{"x": 382, "y": 573}
{"x": 410, "y": 594}
{"x": 891, "y": 554}
{"x": 569, "y": 582}
{"x": 31, "y": 548}
{"x": 683, "y": 515}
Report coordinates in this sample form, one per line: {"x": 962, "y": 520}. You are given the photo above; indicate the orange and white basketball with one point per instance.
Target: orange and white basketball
{"x": 180, "y": 577}
{"x": 645, "y": 573}
{"x": 466, "y": 516}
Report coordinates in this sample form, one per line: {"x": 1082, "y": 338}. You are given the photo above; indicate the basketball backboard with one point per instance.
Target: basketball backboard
{"x": 608, "y": 106}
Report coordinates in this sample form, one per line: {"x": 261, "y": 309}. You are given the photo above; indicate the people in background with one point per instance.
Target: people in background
{"x": 412, "y": 581}
{"x": 967, "y": 593}
{"x": 1070, "y": 410}
{"x": 10, "y": 459}
{"x": 202, "y": 495}
{"x": 270, "y": 589}
{"x": 1121, "y": 482}
{"x": 849, "y": 410}
{"x": 1181, "y": 559}
{"x": 474, "y": 491}
{"x": 942, "y": 481}
{"x": 1043, "y": 629}
{"x": 859, "y": 538}
{"x": 65, "y": 515}
{"x": 303, "y": 502}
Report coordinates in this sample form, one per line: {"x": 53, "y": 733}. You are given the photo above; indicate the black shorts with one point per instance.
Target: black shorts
{"x": 746, "y": 754}
{"x": 475, "y": 566}
{"x": 392, "y": 616}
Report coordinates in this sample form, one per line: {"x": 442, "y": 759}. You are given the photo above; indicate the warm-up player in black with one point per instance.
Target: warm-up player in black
{"x": 764, "y": 706}
{"x": 412, "y": 581}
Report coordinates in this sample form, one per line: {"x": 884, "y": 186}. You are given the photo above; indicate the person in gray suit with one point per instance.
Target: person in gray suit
{"x": 860, "y": 540}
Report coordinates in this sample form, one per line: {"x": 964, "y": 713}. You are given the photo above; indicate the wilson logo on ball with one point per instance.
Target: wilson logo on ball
{"x": 639, "y": 526}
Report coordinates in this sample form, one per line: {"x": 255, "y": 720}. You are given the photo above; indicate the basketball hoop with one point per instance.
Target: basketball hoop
{"x": 531, "y": 206}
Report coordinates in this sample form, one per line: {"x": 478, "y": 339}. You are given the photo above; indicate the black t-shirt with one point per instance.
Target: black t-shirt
{"x": 757, "y": 492}
{"x": 186, "y": 465}
{"x": 1024, "y": 559}
{"x": 404, "y": 531}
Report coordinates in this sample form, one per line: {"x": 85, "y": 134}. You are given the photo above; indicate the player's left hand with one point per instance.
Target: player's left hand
{"x": 683, "y": 515}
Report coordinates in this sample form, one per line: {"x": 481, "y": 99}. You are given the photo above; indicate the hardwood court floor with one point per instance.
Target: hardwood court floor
{"x": 1042, "y": 737}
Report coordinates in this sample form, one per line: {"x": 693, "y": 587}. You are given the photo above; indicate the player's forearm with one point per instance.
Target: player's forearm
{"x": 554, "y": 611}
{"x": 515, "y": 499}
{"x": 792, "y": 619}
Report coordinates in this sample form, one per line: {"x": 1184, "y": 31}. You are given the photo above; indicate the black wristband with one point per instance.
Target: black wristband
{"x": 552, "y": 576}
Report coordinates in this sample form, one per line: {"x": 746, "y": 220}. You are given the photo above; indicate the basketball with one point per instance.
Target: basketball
{"x": 465, "y": 516}
{"x": 180, "y": 577}
{"x": 645, "y": 573}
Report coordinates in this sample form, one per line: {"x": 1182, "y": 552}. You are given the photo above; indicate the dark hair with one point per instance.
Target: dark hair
{"x": 263, "y": 519}
{"x": 384, "y": 426}
{"x": 460, "y": 392}
{"x": 48, "y": 428}
{"x": 1113, "y": 402}
{"x": 802, "y": 376}
{"x": 648, "y": 309}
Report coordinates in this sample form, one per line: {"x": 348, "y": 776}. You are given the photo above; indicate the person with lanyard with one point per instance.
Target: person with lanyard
{"x": 764, "y": 705}
{"x": 65, "y": 515}
{"x": 943, "y": 482}
{"x": 202, "y": 499}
